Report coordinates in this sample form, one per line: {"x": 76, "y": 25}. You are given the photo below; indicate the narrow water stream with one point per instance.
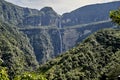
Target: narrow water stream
{"x": 60, "y": 36}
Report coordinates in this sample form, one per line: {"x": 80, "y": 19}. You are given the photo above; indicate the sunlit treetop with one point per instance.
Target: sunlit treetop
{"x": 115, "y": 16}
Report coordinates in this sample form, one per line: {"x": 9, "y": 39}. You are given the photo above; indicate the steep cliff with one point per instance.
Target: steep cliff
{"x": 49, "y": 42}
{"x": 41, "y": 42}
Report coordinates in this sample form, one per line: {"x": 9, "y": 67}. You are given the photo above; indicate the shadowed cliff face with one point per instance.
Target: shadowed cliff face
{"x": 41, "y": 42}
{"x": 49, "y": 42}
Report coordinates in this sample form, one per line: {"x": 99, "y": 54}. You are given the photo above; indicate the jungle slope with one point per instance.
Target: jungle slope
{"x": 96, "y": 58}
{"x": 15, "y": 51}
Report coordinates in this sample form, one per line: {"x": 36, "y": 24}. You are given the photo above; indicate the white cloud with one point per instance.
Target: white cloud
{"x": 60, "y": 6}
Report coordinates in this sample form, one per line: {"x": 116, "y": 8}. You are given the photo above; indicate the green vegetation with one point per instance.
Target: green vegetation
{"x": 23, "y": 76}
{"x": 3, "y": 74}
{"x": 30, "y": 76}
{"x": 98, "y": 57}
{"x": 115, "y": 16}
{"x": 16, "y": 54}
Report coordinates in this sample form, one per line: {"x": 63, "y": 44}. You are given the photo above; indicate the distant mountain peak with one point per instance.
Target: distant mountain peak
{"x": 47, "y": 9}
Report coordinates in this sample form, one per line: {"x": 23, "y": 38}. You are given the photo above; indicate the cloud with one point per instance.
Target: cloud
{"x": 60, "y": 6}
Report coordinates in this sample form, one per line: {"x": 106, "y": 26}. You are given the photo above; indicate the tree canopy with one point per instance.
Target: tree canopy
{"x": 115, "y": 16}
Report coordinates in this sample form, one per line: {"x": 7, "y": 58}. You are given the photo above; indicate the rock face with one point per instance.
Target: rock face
{"x": 27, "y": 17}
{"x": 51, "y": 34}
{"x": 42, "y": 44}
{"x": 49, "y": 17}
{"x": 45, "y": 17}
{"x": 50, "y": 42}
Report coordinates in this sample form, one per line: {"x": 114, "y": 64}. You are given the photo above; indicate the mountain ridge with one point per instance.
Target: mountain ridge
{"x": 87, "y": 14}
{"x": 68, "y": 19}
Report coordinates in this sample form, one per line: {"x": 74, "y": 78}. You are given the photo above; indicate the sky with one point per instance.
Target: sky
{"x": 60, "y": 6}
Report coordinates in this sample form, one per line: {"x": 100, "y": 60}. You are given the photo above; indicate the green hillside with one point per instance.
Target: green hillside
{"x": 98, "y": 57}
{"x": 15, "y": 51}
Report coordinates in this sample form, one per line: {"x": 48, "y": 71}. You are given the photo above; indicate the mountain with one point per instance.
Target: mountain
{"x": 22, "y": 17}
{"x": 59, "y": 39}
{"x": 16, "y": 52}
{"x": 96, "y": 58}
{"x": 26, "y": 17}
{"x": 51, "y": 34}
{"x": 89, "y": 13}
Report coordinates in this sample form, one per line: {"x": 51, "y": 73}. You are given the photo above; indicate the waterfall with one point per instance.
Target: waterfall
{"x": 60, "y": 36}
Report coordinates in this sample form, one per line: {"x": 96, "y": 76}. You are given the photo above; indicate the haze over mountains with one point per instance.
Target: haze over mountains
{"x": 30, "y": 37}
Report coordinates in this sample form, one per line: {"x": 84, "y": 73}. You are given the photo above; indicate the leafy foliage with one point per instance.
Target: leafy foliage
{"x": 115, "y": 16}
{"x": 30, "y": 76}
{"x": 3, "y": 74}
